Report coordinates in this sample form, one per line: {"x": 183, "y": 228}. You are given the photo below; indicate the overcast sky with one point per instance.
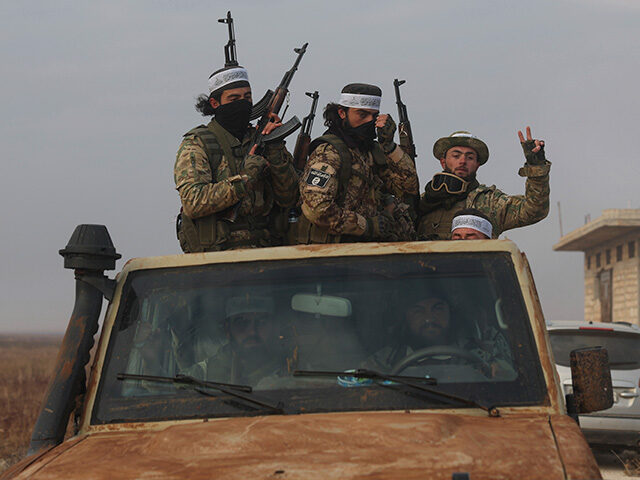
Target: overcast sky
{"x": 96, "y": 95}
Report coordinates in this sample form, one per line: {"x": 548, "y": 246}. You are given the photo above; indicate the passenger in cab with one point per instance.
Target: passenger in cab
{"x": 252, "y": 351}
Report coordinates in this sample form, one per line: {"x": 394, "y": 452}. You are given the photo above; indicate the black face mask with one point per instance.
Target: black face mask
{"x": 363, "y": 135}
{"x": 234, "y": 117}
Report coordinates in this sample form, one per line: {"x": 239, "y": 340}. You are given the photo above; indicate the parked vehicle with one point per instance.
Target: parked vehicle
{"x": 620, "y": 424}
{"x": 312, "y": 362}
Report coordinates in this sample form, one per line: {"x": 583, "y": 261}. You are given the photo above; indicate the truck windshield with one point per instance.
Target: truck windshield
{"x": 458, "y": 320}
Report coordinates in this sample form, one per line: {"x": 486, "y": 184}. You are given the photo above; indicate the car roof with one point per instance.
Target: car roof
{"x": 320, "y": 250}
{"x": 612, "y": 326}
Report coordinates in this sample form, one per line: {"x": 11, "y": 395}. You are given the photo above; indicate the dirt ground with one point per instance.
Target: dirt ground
{"x": 26, "y": 363}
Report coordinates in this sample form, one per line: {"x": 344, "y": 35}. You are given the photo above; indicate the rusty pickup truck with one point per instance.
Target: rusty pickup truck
{"x": 416, "y": 360}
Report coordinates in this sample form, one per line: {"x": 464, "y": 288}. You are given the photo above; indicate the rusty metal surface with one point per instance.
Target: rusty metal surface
{"x": 538, "y": 325}
{"x": 31, "y": 464}
{"x": 592, "y": 389}
{"x": 574, "y": 451}
{"x": 380, "y": 445}
{"x": 317, "y": 251}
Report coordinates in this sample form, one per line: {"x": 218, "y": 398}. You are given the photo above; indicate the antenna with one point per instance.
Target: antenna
{"x": 560, "y": 219}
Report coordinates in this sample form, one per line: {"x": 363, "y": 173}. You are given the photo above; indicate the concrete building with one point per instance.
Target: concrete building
{"x": 611, "y": 265}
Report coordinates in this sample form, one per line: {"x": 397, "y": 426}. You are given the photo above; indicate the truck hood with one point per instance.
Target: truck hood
{"x": 373, "y": 445}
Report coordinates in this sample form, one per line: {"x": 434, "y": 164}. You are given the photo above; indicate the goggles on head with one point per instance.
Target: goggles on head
{"x": 450, "y": 182}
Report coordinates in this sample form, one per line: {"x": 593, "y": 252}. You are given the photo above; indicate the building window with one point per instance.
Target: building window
{"x": 619, "y": 253}
{"x": 597, "y": 260}
{"x": 588, "y": 262}
{"x": 607, "y": 255}
{"x": 632, "y": 249}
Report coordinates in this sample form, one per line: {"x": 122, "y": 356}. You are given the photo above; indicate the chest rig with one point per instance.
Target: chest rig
{"x": 210, "y": 233}
{"x": 308, "y": 232}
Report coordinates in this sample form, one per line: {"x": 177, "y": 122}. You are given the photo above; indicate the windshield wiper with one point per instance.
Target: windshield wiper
{"x": 230, "y": 389}
{"x": 403, "y": 380}
{"x": 365, "y": 373}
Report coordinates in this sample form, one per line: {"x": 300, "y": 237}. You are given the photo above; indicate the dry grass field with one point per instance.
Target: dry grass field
{"x": 26, "y": 362}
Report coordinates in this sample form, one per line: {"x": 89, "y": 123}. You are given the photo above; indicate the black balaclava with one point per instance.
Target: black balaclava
{"x": 363, "y": 136}
{"x": 233, "y": 117}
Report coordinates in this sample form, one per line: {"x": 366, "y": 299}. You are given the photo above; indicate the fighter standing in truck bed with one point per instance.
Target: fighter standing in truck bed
{"x": 215, "y": 170}
{"x": 456, "y": 187}
{"x": 350, "y": 181}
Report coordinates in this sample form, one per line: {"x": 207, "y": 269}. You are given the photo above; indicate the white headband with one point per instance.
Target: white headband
{"x": 354, "y": 100}
{"x": 471, "y": 221}
{"x": 228, "y": 76}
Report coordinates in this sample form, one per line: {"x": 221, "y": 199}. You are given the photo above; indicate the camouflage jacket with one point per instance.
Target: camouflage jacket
{"x": 504, "y": 211}
{"x": 203, "y": 192}
{"x": 319, "y": 188}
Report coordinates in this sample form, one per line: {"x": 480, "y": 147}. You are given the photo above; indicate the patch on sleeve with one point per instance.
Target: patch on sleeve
{"x": 317, "y": 178}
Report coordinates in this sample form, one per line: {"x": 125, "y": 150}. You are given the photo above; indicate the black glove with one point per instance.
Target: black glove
{"x": 386, "y": 134}
{"x": 533, "y": 158}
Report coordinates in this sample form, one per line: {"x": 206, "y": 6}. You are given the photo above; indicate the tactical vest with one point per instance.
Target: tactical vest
{"x": 436, "y": 225}
{"x": 306, "y": 232}
{"x": 209, "y": 233}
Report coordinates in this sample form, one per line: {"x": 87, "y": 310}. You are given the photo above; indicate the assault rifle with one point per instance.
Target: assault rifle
{"x": 301, "y": 152}
{"x": 404, "y": 125}
{"x": 283, "y": 131}
{"x": 275, "y": 105}
{"x": 231, "y": 60}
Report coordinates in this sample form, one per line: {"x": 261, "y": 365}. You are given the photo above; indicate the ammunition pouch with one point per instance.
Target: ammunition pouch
{"x": 209, "y": 234}
{"x": 303, "y": 232}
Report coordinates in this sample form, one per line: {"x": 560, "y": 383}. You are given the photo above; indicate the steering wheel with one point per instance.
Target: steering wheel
{"x": 437, "y": 350}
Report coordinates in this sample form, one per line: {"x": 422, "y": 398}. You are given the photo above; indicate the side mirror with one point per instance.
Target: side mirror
{"x": 591, "y": 377}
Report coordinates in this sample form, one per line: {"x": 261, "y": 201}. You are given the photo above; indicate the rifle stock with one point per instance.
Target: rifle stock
{"x": 301, "y": 152}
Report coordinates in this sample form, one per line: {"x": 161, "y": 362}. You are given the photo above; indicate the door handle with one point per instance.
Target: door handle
{"x": 628, "y": 395}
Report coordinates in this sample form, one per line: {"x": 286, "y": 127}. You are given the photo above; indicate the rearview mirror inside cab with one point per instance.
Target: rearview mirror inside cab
{"x": 591, "y": 377}
{"x": 325, "y": 305}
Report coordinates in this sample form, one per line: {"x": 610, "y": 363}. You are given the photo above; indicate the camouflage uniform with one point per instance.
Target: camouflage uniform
{"x": 205, "y": 194}
{"x": 504, "y": 211}
{"x": 334, "y": 212}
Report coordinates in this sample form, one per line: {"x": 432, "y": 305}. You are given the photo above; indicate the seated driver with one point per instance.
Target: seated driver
{"x": 251, "y": 353}
{"x": 428, "y": 323}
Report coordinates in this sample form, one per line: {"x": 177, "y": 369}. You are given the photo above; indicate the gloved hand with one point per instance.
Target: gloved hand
{"x": 252, "y": 170}
{"x": 386, "y": 129}
{"x": 381, "y": 227}
{"x": 533, "y": 149}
